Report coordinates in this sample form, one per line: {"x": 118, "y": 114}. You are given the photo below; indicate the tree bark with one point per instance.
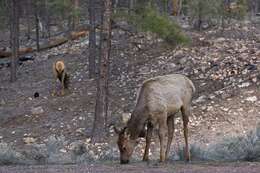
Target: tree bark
{"x": 28, "y": 21}
{"x": 92, "y": 40}
{"x": 175, "y": 4}
{"x": 14, "y": 36}
{"x": 76, "y": 17}
{"x": 36, "y": 16}
{"x": 101, "y": 109}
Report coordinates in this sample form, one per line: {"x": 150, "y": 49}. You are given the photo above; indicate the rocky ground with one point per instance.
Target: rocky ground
{"x": 224, "y": 65}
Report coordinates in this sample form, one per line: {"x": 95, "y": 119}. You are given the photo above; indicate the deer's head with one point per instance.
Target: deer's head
{"x": 125, "y": 144}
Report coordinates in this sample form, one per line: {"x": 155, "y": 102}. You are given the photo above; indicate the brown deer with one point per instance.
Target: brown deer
{"x": 158, "y": 101}
{"x": 60, "y": 74}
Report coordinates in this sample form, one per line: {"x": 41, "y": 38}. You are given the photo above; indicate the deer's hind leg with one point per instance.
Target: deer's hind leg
{"x": 186, "y": 112}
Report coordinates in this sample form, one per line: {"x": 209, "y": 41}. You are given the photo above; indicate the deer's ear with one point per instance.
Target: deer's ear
{"x": 126, "y": 133}
{"x": 117, "y": 130}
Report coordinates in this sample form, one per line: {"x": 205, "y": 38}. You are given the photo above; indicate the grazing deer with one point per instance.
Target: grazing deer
{"x": 158, "y": 101}
{"x": 60, "y": 74}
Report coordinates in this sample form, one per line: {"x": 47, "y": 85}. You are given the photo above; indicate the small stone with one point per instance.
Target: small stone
{"x": 63, "y": 150}
{"x": 225, "y": 109}
{"x": 59, "y": 109}
{"x": 203, "y": 108}
{"x": 201, "y": 99}
{"x": 251, "y": 99}
{"x": 13, "y": 132}
{"x": 29, "y": 140}
{"x": 243, "y": 85}
{"x": 126, "y": 117}
{"x": 88, "y": 140}
{"x": 2, "y": 102}
{"x": 211, "y": 96}
{"x": 81, "y": 118}
{"x": 37, "y": 110}
{"x": 1, "y": 137}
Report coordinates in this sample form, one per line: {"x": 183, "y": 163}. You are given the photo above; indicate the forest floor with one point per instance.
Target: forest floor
{"x": 224, "y": 65}
{"x": 138, "y": 168}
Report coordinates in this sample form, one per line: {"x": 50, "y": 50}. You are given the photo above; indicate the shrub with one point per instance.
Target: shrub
{"x": 240, "y": 148}
{"x": 150, "y": 20}
{"x": 9, "y": 156}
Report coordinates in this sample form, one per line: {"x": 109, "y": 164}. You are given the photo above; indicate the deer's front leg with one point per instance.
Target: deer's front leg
{"x": 163, "y": 136}
{"x": 63, "y": 84}
{"x": 148, "y": 141}
{"x": 54, "y": 84}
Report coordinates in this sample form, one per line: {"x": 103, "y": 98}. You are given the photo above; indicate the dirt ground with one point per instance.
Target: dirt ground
{"x": 139, "y": 168}
{"x": 222, "y": 107}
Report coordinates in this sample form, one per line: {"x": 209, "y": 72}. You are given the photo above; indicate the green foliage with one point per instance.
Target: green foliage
{"x": 216, "y": 10}
{"x": 160, "y": 24}
{"x": 62, "y": 7}
{"x": 203, "y": 9}
{"x": 241, "y": 9}
{"x": 149, "y": 20}
{"x": 3, "y": 14}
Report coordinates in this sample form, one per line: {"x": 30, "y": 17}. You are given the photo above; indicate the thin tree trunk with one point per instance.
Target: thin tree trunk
{"x": 47, "y": 20}
{"x": 14, "y": 28}
{"x": 101, "y": 109}
{"x": 92, "y": 40}
{"x": 76, "y": 16}
{"x": 36, "y": 16}
{"x": 131, "y": 5}
{"x": 28, "y": 21}
{"x": 175, "y": 4}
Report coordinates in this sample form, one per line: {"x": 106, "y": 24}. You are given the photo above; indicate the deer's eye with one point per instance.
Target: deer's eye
{"x": 124, "y": 148}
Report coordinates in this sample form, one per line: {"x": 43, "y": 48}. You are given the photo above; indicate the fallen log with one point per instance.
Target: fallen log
{"x": 7, "y": 53}
{"x": 50, "y": 44}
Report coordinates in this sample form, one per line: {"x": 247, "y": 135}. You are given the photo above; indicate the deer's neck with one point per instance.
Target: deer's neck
{"x": 136, "y": 123}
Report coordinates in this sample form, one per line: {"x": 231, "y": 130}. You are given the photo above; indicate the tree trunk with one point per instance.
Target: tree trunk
{"x": 131, "y": 4}
{"x": 47, "y": 20}
{"x": 75, "y": 14}
{"x": 28, "y": 21}
{"x": 14, "y": 36}
{"x": 36, "y": 16}
{"x": 101, "y": 109}
{"x": 92, "y": 40}
{"x": 175, "y": 4}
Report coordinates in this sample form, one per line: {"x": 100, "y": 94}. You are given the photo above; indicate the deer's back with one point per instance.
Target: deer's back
{"x": 166, "y": 93}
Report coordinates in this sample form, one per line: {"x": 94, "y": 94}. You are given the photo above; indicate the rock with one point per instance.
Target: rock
{"x": 81, "y": 131}
{"x": 78, "y": 148}
{"x": 2, "y": 102}
{"x": 171, "y": 66}
{"x": 37, "y": 110}
{"x": 183, "y": 60}
{"x": 126, "y": 117}
{"x": 251, "y": 99}
{"x": 201, "y": 99}
{"x": 243, "y": 85}
{"x": 29, "y": 140}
